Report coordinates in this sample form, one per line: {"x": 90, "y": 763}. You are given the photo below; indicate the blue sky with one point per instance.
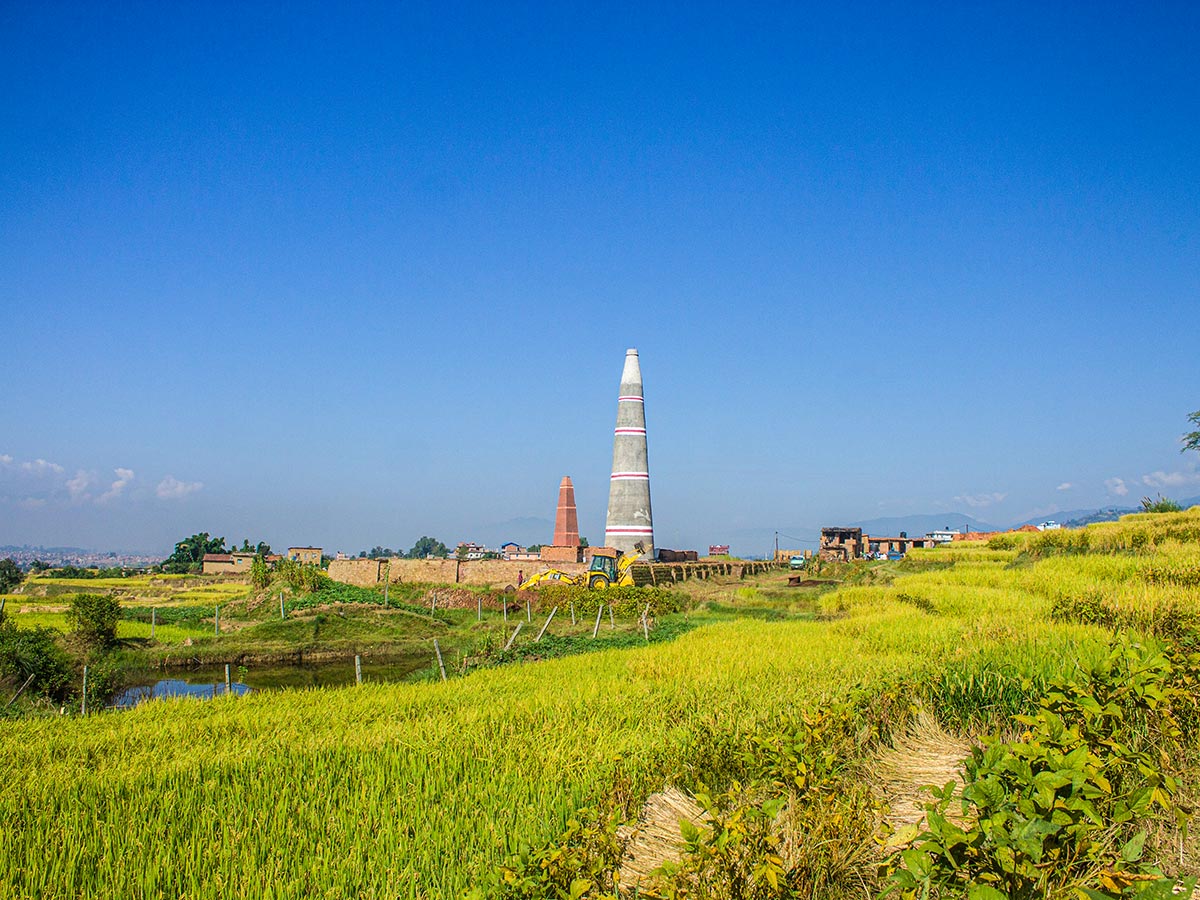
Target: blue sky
{"x": 349, "y": 276}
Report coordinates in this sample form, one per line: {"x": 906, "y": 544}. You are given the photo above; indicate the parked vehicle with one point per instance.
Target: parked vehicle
{"x": 796, "y": 562}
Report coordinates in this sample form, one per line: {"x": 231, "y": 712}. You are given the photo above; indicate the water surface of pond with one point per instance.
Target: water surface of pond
{"x": 208, "y": 682}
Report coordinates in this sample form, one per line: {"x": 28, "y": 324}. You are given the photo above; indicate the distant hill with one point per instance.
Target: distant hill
{"x": 1077, "y": 518}
{"x": 920, "y": 525}
{"x": 1081, "y": 517}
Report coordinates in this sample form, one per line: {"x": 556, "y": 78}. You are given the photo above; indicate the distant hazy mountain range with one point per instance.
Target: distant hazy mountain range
{"x": 1069, "y": 518}
{"x": 920, "y": 525}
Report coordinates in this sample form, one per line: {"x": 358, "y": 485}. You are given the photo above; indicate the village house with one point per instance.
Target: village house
{"x": 944, "y": 535}
{"x": 227, "y": 563}
{"x": 232, "y": 563}
{"x": 305, "y": 555}
{"x": 513, "y": 551}
{"x": 845, "y": 544}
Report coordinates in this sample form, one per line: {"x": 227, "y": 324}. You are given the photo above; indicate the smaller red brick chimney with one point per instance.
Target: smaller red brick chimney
{"x": 566, "y": 520}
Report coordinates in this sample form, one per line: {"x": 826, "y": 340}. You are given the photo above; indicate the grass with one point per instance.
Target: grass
{"x": 419, "y": 790}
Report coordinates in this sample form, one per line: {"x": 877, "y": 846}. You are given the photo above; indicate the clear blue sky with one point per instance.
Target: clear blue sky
{"x": 351, "y": 274}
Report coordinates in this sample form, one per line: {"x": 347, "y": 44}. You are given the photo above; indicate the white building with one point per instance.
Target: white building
{"x": 1049, "y": 526}
{"x": 943, "y": 535}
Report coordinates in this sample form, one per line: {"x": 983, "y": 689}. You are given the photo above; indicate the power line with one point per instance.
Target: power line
{"x": 792, "y": 537}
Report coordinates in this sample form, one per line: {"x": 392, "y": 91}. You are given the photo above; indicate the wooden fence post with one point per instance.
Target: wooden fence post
{"x": 514, "y": 634}
{"x": 441, "y": 665}
{"x": 153, "y": 622}
{"x": 612, "y": 623}
{"x": 572, "y": 614}
{"x": 479, "y": 607}
{"x": 228, "y": 684}
{"x": 84, "y": 707}
{"x": 545, "y": 626}
{"x": 20, "y": 690}
{"x": 357, "y": 669}
{"x": 528, "y": 611}
{"x": 216, "y": 620}
{"x": 599, "y": 613}
{"x": 282, "y": 611}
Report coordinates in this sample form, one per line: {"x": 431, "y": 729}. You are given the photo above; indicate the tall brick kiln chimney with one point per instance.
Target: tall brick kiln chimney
{"x": 566, "y": 519}
{"x": 629, "y": 520}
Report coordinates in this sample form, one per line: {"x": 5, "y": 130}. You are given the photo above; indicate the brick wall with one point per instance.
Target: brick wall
{"x": 556, "y": 555}
{"x": 492, "y": 572}
{"x": 362, "y": 572}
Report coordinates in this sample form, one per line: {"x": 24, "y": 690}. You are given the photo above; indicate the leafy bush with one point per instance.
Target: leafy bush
{"x": 105, "y": 680}
{"x": 34, "y": 651}
{"x": 1062, "y": 807}
{"x": 94, "y": 619}
{"x": 301, "y": 576}
{"x": 10, "y": 575}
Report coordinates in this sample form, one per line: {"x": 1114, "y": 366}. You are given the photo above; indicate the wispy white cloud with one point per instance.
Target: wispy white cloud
{"x": 1065, "y": 486}
{"x": 5, "y": 459}
{"x": 1161, "y": 479}
{"x": 171, "y": 488}
{"x": 77, "y": 486}
{"x": 124, "y": 476}
{"x": 978, "y": 501}
{"x": 1116, "y": 486}
{"x": 42, "y": 467}
{"x": 31, "y": 503}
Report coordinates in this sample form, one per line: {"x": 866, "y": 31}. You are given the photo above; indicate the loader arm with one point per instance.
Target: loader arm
{"x": 550, "y": 576}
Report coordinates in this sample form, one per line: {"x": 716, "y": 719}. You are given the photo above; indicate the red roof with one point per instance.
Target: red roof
{"x": 217, "y": 557}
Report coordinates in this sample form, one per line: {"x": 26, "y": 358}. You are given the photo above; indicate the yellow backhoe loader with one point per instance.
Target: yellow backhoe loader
{"x": 608, "y": 567}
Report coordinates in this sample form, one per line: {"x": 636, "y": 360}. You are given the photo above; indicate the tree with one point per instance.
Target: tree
{"x": 189, "y": 553}
{"x": 94, "y": 618}
{"x": 583, "y": 542}
{"x": 1191, "y": 440}
{"x": 10, "y": 575}
{"x": 427, "y": 546}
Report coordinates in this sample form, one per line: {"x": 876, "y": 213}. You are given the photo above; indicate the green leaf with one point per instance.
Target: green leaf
{"x": 985, "y": 892}
{"x": 1132, "y": 851}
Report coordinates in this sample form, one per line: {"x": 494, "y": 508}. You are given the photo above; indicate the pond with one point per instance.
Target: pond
{"x": 208, "y": 682}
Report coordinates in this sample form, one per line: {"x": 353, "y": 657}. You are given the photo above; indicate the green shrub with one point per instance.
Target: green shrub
{"x": 34, "y": 651}
{"x": 300, "y": 576}
{"x": 1064, "y": 806}
{"x": 94, "y": 619}
{"x": 105, "y": 679}
{"x": 10, "y": 575}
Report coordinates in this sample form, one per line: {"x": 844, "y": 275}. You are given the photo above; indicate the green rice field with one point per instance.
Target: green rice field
{"x": 421, "y": 790}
